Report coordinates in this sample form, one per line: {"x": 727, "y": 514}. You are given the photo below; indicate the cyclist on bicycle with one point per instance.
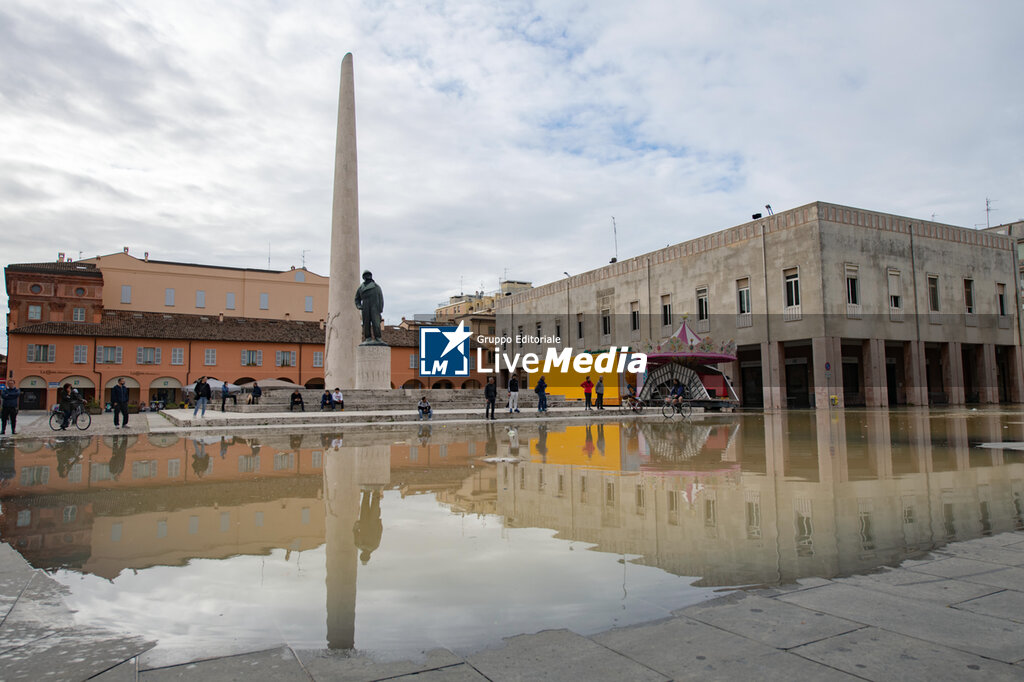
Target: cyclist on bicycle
{"x": 631, "y": 398}
{"x": 69, "y": 399}
{"x": 676, "y": 395}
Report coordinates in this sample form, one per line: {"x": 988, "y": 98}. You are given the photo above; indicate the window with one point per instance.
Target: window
{"x": 606, "y": 322}
{"x": 35, "y": 312}
{"x": 252, "y": 358}
{"x": 200, "y": 298}
{"x": 169, "y": 297}
{"x": 80, "y": 291}
{"x": 666, "y": 310}
{"x": 933, "y": 293}
{"x": 36, "y": 289}
{"x": 852, "y": 285}
{"x": 109, "y": 355}
{"x": 81, "y": 355}
{"x": 634, "y": 316}
{"x": 229, "y": 301}
{"x": 177, "y": 356}
{"x": 126, "y": 293}
{"x": 969, "y": 296}
{"x": 41, "y": 352}
{"x": 210, "y": 356}
{"x": 264, "y": 301}
{"x": 147, "y": 356}
{"x": 1001, "y": 299}
{"x": 414, "y": 361}
{"x": 284, "y": 358}
{"x": 702, "y": 304}
{"x": 743, "y": 296}
{"x": 300, "y": 275}
{"x": 78, "y": 315}
{"x": 540, "y": 329}
{"x": 895, "y": 290}
{"x": 519, "y": 336}
{"x": 579, "y": 325}
{"x": 792, "y": 287}
{"x": 309, "y": 304}
{"x": 558, "y": 330}
{"x": 318, "y": 358}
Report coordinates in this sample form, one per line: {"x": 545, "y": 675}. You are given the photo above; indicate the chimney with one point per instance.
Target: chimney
{"x": 146, "y": 257}
{"x": 60, "y": 257}
{"x": 126, "y": 249}
{"x": 322, "y": 325}
{"x": 287, "y": 317}
{"x": 221, "y": 318}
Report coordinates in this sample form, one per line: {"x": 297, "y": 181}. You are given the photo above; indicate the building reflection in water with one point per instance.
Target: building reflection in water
{"x": 731, "y": 500}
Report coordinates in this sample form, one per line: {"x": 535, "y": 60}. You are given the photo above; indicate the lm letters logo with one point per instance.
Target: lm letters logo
{"x": 444, "y": 351}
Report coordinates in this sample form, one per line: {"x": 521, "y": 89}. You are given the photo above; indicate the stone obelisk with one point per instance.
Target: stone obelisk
{"x": 343, "y": 327}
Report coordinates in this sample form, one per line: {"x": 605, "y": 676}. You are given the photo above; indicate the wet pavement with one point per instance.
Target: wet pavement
{"x": 856, "y": 545}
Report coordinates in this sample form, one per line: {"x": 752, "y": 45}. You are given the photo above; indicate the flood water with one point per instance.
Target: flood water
{"x": 401, "y": 539}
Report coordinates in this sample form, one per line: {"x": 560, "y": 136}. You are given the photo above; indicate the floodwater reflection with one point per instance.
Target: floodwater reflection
{"x": 402, "y": 539}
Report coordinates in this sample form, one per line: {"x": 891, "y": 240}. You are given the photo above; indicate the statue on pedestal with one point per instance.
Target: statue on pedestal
{"x": 370, "y": 300}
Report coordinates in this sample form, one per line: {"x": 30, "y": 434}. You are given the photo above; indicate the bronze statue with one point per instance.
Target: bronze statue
{"x": 370, "y": 300}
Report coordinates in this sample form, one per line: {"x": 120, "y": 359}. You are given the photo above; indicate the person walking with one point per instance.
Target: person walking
{"x": 119, "y": 401}
{"x": 203, "y": 395}
{"x": 599, "y": 390}
{"x": 513, "y": 394}
{"x": 588, "y": 387}
{"x": 256, "y": 393}
{"x": 11, "y": 397}
{"x": 542, "y": 397}
{"x": 491, "y": 394}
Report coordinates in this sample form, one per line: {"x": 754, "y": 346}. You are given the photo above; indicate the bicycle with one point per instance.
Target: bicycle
{"x": 633, "y": 403}
{"x": 79, "y": 417}
{"x": 682, "y": 408}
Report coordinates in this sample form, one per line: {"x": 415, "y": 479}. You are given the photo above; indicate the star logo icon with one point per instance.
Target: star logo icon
{"x": 456, "y": 337}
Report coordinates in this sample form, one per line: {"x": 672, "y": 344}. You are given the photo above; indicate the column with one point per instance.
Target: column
{"x": 915, "y": 373}
{"x": 988, "y": 380}
{"x": 953, "y": 372}
{"x": 827, "y": 350}
{"x": 772, "y": 362}
{"x": 876, "y": 393}
{"x": 1016, "y": 387}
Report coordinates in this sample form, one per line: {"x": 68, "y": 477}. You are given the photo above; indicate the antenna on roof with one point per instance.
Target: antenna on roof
{"x": 268, "y": 254}
{"x": 988, "y": 210}
{"x": 304, "y": 252}
{"x": 615, "y": 234}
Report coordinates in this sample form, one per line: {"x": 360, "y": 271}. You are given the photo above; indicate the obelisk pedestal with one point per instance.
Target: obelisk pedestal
{"x": 342, "y": 325}
{"x": 373, "y": 366}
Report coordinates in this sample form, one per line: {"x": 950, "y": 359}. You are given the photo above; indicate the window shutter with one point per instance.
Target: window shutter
{"x": 293, "y": 358}
{"x": 277, "y": 358}
{"x": 51, "y": 353}
{"x": 118, "y": 355}
{"x": 156, "y": 356}
{"x": 245, "y": 353}
{"x": 140, "y": 356}
{"x": 259, "y": 358}
{"x": 31, "y": 352}
{"x": 99, "y": 355}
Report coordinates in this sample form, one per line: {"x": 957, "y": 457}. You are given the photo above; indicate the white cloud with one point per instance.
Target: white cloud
{"x": 491, "y": 135}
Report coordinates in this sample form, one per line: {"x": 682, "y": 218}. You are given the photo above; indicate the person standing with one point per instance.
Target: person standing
{"x": 11, "y": 397}
{"x": 223, "y": 395}
{"x": 203, "y": 395}
{"x": 513, "y": 394}
{"x": 588, "y": 387}
{"x": 491, "y": 394}
{"x": 119, "y": 401}
{"x": 599, "y": 390}
{"x": 542, "y": 397}
{"x": 256, "y": 393}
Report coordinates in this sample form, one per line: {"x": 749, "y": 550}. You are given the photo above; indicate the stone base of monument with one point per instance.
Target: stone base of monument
{"x": 373, "y": 367}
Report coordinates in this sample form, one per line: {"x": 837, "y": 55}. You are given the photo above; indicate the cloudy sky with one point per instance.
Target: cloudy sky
{"x": 496, "y": 139}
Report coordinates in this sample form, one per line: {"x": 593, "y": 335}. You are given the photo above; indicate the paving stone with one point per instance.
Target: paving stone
{"x": 348, "y": 667}
{"x": 982, "y": 635}
{"x": 69, "y": 655}
{"x": 881, "y": 655}
{"x": 934, "y": 589}
{"x": 978, "y": 572}
{"x": 769, "y": 621}
{"x": 455, "y": 673}
{"x": 956, "y": 567}
{"x": 1008, "y": 604}
{"x": 125, "y": 672}
{"x": 558, "y": 655}
{"x": 685, "y": 649}
{"x": 995, "y": 555}
{"x": 275, "y": 664}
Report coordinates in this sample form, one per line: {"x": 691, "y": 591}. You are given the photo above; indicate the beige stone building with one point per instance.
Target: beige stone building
{"x": 825, "y": 303}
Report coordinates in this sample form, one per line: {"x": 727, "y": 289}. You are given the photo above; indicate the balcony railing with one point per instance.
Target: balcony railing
{"x": 791, "y": 313}
{"x": 853, "y": 310}
{"x": 744, "y": 320}
{"x": 895, "y": 314}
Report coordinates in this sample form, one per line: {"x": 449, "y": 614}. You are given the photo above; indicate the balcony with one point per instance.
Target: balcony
{"x": 702, "y": 326}
{"x": 744, "y": 320}
{"x": 1003, "y": 321}
{"x": 791, "y": 313}
{"x": 895, "y": 314}
{"x": 853, "y": 310}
